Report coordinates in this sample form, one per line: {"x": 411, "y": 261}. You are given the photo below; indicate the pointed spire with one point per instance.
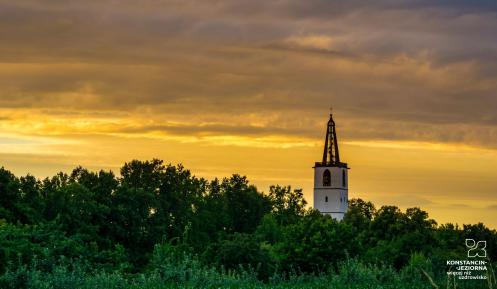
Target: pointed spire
{"x": 331, "y": 155}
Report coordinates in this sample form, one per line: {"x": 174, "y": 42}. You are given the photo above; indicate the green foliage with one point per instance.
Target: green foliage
{"x": 97, "y": 230}
{"x": 360, "y": 214}
{"x": 9, "y": 197}
{"x": 315, "y": 243}
{"x": 240, "y": 251}
{"x": 172, "y": 268}
{"x": 288, "y": 206}
{"x": 245, "y": 206}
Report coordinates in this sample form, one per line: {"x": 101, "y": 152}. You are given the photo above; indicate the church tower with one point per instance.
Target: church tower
{"x": 330, "y": 178}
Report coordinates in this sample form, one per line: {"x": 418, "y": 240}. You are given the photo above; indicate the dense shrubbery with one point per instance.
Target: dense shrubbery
{"x": 158, "y": 226}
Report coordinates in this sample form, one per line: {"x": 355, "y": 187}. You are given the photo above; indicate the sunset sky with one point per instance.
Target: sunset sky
{"x": 245, "y": 87}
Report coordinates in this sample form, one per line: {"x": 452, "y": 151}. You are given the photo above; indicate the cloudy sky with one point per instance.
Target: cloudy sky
{"x": 245, "y": 87}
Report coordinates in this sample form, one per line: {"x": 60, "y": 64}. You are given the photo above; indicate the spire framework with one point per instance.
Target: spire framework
{"x": 331, "y": 154}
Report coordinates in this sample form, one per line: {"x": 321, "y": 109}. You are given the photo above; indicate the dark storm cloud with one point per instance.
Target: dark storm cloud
{"x": 395, "y": 70}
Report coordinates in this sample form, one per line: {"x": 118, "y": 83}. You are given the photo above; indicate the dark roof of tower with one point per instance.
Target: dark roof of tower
{"x": 331, "y": 155}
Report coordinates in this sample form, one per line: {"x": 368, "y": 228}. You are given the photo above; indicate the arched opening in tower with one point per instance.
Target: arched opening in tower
{"x": 326, "y": 178}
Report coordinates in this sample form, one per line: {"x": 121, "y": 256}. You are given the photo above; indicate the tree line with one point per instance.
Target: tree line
{"x": 121, "y": 223}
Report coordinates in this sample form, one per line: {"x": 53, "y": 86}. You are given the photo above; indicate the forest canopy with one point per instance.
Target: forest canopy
{"x": 153, "y": 215}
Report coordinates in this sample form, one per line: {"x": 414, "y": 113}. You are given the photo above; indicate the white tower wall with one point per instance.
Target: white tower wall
{"x": 331, "y": 199}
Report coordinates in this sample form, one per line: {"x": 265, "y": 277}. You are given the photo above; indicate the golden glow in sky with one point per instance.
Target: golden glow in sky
{"x": 244, "y": 87}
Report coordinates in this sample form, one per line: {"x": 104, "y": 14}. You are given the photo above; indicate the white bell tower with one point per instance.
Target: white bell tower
{"x": 331, "y": 195}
